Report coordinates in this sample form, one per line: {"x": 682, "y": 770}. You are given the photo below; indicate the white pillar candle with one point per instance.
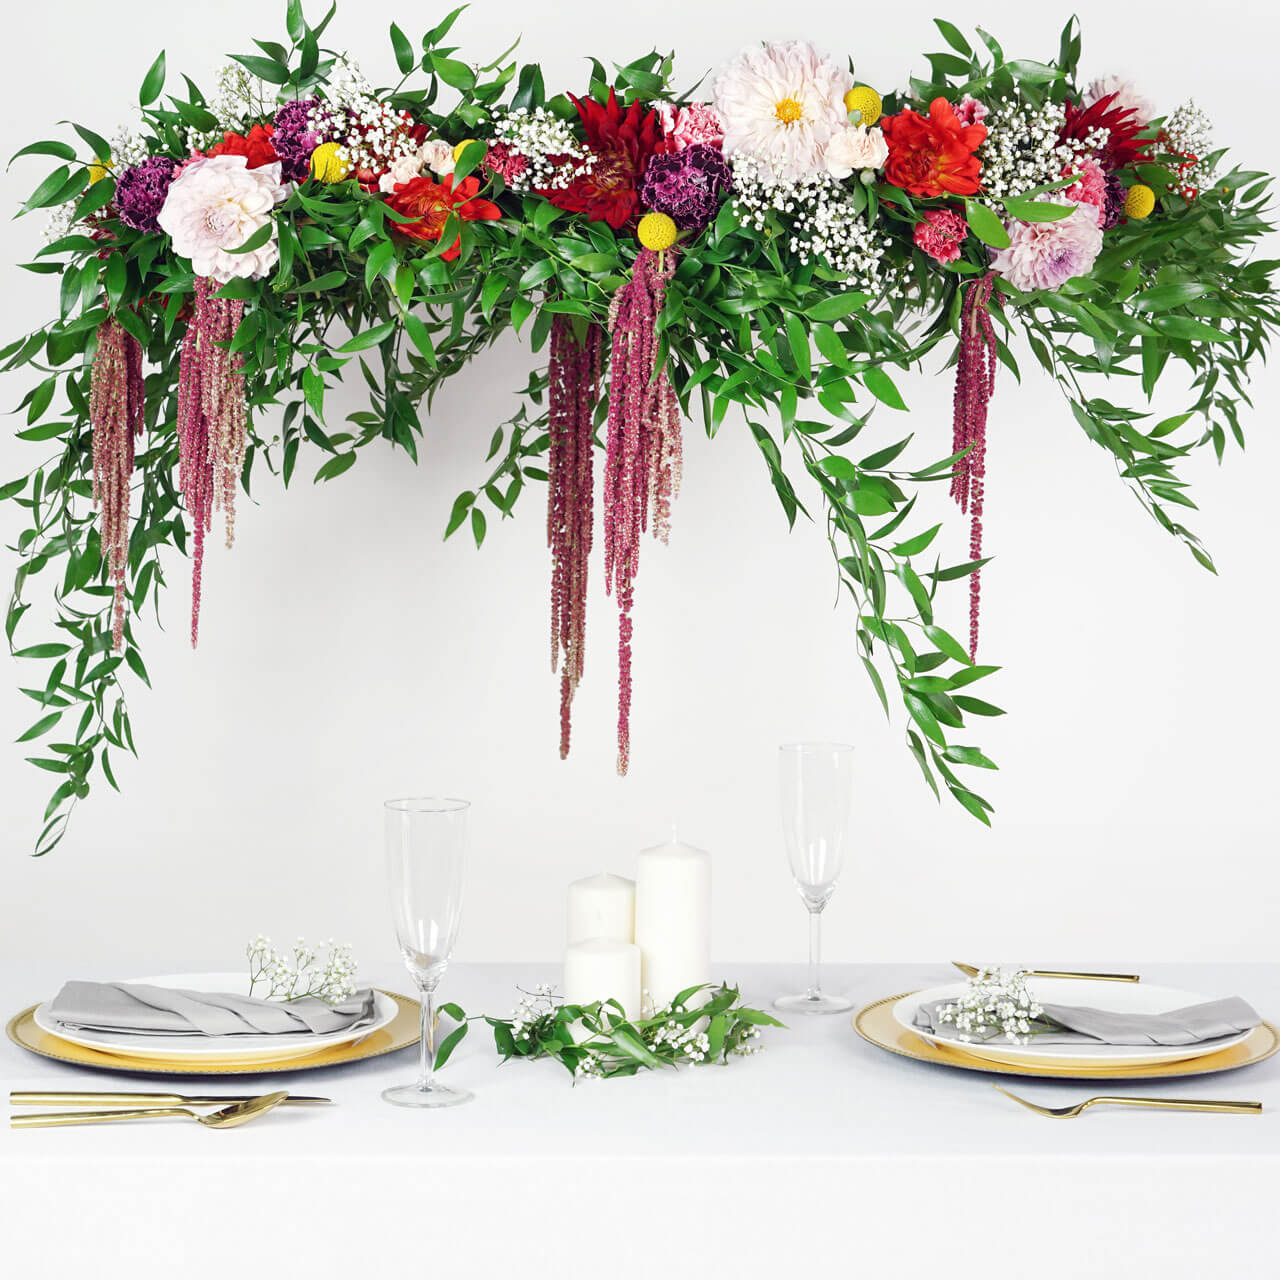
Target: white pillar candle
{"x": 673, "y": 919}
{"x": 602, "y": 906}
{"x": 603, "y": 969}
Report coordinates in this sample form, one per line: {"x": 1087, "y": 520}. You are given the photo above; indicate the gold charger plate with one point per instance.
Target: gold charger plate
{"x": 399, "y": 1033}
{"x": 876, "y": 1024}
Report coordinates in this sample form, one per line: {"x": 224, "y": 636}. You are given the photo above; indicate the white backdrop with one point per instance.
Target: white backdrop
{"x": 347, "y": 654}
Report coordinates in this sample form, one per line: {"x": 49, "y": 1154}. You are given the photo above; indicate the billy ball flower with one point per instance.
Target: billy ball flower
{"x": 329, "y": 163}
{"x": 863, "y": 102}
{"x": 656, "y": 231}
{"x": 688, "y": 186}
{"x": 1139, "y": 201}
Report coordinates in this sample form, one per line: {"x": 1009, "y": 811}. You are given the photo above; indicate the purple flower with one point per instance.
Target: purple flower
{"x": 141, "y": 191}
{"x": 1113, "y": 203}
{"x": 300, "y": 127}
{"x": 689, "y": 186}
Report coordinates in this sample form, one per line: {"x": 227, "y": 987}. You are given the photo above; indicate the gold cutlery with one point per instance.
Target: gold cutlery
{"x": 971, "y": 971}
{"x": 228, "y": 1118}
{"x": 1163, "y": 1104}
{"x": 38, "y": 1098}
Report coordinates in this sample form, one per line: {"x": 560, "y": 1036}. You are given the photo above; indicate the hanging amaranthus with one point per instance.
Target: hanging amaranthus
{"x": 116, "y": 413}
{"x": 975, "y": 381}
{"x": 211, "y": 423}
{"x": 642, "y": 472}
{"x": 573, "y": 389}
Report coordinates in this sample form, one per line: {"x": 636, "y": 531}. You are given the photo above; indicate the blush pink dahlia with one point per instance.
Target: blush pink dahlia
{"x": 1045, "y": 255}
{"x": 941, "y": 234}
{"x": 214, "y": 205}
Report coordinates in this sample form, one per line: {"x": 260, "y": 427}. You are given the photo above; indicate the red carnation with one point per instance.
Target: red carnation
{"x": 256, "y": 148}
{"x": 607, "y": 187}
{"x": 430, "y": 204}
{"x": 1123, "y": 147}
{"x": 933, "y": 155}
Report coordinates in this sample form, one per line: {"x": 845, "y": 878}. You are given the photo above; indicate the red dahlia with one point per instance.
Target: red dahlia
{"x": 256, "y": 147}
{"x": 933, "y": 155}
{"x": 431, "y": 203}
{"x": 607, "y": 187}
{"x": 1123, "y": 148}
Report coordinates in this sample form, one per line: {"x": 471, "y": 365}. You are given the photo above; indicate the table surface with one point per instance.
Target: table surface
{"x": 817, "y": 1104}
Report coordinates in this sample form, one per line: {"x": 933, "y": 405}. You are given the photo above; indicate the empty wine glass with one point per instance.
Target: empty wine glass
{"x": 426, "y": 856}
{"x": 817, "y": 797}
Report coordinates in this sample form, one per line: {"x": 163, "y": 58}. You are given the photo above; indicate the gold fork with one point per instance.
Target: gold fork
{"x": 971, "y": 971}
{"x": 1164, "y": 1104}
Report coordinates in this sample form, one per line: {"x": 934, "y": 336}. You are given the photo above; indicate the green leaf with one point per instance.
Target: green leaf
{"x": 985, "y": 225}
{"x": 43, "y": 725}
{"x": 264, "y": 68}
{"x": 949, "y": 645}
{"x": 369, "y": 338}
{"x": 1036, "y": 210}
{"x": 453, "y": 72}
{"x": 336, "y": 466}
{"x": 60, "y": 150}
{"x": 837, "y": 306}
{"x": 405, "y": 58}
{"x": 913, "y": 546}
{"x": 152, "y": 82}
{"x": 951, "y": 34}
{"x": 798, "y": 338}
{"x": 257, "y": 240}
{"x": 878, "y": 382}
{"x": 1192, "y": 330}
{"x": 1163, "y": 296}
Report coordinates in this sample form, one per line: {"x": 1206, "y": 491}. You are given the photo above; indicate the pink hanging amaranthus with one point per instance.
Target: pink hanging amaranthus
{"x": 975, "y": 381}
{"x": 573, "y": 378}
{"x": 116, "y": 415}
{"x": 212, "y": 421}
{"x": 642, "y": 472}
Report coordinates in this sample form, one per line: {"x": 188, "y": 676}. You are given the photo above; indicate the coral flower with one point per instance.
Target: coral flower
{"x": 431, "y": 203}
{"x": 933, "y": 155}
{"x": 607, "y": 187}
{"x": 255, "y": 147}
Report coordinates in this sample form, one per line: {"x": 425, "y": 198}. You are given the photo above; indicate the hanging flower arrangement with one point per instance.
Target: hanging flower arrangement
{"x": 773, "y": 252}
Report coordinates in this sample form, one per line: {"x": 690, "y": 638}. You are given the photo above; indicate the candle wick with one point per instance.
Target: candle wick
{"x": 674, "y": 834}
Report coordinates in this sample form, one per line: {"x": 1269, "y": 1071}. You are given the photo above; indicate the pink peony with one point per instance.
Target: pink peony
{"x": 971, "y": 111}
{"x": 684, "y": 126}
{"x": 1045, "y": 255}
{"x": 1091, "y": 188}
{"x": 855, "y": 147}
{"x": 941, "y": 234}
{"x": 215, "y": 204}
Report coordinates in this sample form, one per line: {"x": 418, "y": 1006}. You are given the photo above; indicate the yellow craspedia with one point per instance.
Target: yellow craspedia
{"x": 457, "y": 151}
{"x": 328, "y": 164}
{"x": 99, "y": 170}
{"x": 656, "y": 231}
{"x": 863, "y": 99}
{"x": 1139, "y": 201}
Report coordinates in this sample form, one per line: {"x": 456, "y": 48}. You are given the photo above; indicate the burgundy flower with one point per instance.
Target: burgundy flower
{"x": 140, "y": 192}
{"x": 689, "y": 186}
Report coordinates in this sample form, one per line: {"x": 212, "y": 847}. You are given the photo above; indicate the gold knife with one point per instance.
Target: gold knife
{"x": 37, "y": 1098}
{"x": 971, "y": 972}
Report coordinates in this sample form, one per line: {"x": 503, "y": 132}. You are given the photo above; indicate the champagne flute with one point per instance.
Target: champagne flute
{"x": 816, "y": 797}
{"x": 426, "y": 855}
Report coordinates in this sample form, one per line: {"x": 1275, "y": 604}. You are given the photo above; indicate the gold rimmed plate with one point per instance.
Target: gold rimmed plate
{"x": 876, "y": 1024}
{"x": 401, "y": 1032}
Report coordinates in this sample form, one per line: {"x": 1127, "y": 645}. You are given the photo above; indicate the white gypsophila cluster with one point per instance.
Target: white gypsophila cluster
{"x": 238, "y": 97}
{"x": 533, "y": 1007}
{"x": 128, "y": 148}
{"x": 1022, "y": 152}
{"x": 302, "y": 972}
{"x": 748, "y": 1049}
{"x": 689, "y": 1041}
{"x": 1190, "y": 133}
{"x": 60, "y": 222}
{"x": 994, "y": 1003}
{"x": 553, "y": 156}
{"x": 371, "y": 134}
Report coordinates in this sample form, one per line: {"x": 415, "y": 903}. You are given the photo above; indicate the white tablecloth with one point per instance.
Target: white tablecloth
{"x": 820, "y": 1156}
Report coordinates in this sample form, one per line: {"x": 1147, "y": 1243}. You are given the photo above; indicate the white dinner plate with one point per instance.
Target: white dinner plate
{"x": 1115, "y": 997}
{"x": 222, "y": 1048}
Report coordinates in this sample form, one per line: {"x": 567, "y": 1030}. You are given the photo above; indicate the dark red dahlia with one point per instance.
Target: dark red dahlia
{"x": 1123, "y": 147}
{"x": 607, "y": 186}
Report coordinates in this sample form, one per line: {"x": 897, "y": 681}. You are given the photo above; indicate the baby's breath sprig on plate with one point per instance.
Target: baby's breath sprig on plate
{"x": 598, "y": 1039}
{"x": 997, "y": 1003}
{"x": 303, "y": 972}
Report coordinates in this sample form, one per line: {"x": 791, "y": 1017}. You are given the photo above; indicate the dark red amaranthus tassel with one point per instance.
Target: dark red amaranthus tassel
{"x": 573, "y": 378}
{"x": 644, "y": 456}
{"x": 116, "y": 415}
{"x": 212, "y": 421}
{"x": 975, "y": 381}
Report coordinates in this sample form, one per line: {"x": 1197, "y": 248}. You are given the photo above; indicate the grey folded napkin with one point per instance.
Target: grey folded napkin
{"x": 138, "y": 1009}
{"x": 1195, "y": 1025}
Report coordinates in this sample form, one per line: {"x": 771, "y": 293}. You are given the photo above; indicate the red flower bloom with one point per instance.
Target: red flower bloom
{"x": 607, "y": 187}
{"x": 431, "y": 203}
{"x": 1122, "y": 148}
{"x": 933, "y": 155}
{"x": 256, "y": 148}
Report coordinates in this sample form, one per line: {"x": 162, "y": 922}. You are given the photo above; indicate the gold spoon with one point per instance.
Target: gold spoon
{"x": 1164, "y": 1104}
{"x": 228, "y": 1118}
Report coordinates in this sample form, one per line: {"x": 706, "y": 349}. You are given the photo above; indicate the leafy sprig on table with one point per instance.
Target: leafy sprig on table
{"x": 598, "y": 1039}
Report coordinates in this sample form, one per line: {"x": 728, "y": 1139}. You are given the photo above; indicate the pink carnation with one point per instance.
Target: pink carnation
{"x": 684, "y": 126}
{"x": 971, "y": 111}
{"x": 1045, "y": 255}
{"x": 1091, "y": 188}
{"x": 941, "y": 234}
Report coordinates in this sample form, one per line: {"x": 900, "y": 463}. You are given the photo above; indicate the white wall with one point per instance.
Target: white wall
{"x": 348, "y": 655}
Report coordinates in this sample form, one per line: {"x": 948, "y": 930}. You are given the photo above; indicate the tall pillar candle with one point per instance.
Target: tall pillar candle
{"x": 602, "y": 906}
{"x": 673, "y": 919}
{"x": 603, "y": 969}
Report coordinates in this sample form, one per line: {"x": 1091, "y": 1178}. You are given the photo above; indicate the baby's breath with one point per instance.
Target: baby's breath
{"x": 553, "y": 156}
{"x": 995, "y": 1003}
{"x": 303, "y": 972}
{"x": 1022, "y": 151}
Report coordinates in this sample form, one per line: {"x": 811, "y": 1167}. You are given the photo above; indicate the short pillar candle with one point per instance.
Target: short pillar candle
{"x": 603, "y": 969}
{"x": 602, "y": 906}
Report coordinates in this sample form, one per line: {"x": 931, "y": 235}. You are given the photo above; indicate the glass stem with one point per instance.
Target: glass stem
{"x": 427, "y": 1041}
{"x": 815, "y": 953}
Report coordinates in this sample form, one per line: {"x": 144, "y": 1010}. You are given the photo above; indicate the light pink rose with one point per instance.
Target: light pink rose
{"x": 214, "y": 205}
{"x": 403, "y": 169}
{"x": 437, "y": 155}
{"x": 855, "y": 147}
